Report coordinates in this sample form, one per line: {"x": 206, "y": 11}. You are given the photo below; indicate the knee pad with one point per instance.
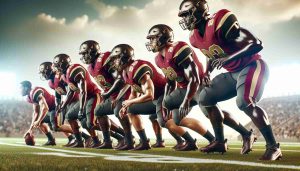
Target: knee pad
{"x": 206, "y": 99}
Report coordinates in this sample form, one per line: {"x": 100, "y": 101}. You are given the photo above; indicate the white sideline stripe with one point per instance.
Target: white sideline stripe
{"x": 138, "y": 157}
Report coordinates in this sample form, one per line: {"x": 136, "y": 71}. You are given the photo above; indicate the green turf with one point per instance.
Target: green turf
{"x": 26, "y": 158}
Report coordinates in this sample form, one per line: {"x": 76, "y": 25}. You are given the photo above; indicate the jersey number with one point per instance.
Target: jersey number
{"x": 214, "y": 52}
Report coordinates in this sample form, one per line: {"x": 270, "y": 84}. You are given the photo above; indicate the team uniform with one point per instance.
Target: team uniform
{"x": 246, "y": 76}
{"x": 72, "y": 109}
{"x": 102, "y": 73}
{"x": 170, "y": 63}
{"x": 93, "y": 93}
{"x": 50, "y": 100}
{"x": 137, "y": 70}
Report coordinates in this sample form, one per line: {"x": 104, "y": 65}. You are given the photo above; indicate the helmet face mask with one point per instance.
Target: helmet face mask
{"x": 192, "y": 12}
{"x": 159, "y": 36}
{"x": 120, "y": 56}
{"x": 89, "y": 51}
{"x": 46, "y": 71}
{"x": 61, "y": 63}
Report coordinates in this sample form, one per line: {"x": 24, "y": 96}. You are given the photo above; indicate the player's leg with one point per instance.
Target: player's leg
{"x": 222, "y": 88}
{"x": 125, "y": 122}
{"x": 44, "y": 127}
{"x": 91, "y": 120}
{"x": 250, "y": 86}
{"x": 158, "y": 132}
{"x": 134, "y": 112}
{"x": 173, "y": 101}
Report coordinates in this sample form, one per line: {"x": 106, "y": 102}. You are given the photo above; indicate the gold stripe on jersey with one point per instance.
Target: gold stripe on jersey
{"x": 180, "y": 50}
{"x": 222, "y": 21}
{"x": 137, "y": 71}
{"x": 35, "y": 93}
{"x": 75, "y": 69}
{"x": 234, "y": 24}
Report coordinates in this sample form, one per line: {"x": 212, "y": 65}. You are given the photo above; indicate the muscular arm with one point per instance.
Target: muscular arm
{"x": 247, "y": 43}
{"x": 43, "y": 108}
{"x": 69, "y": 96}
{"x": 148, "y": 90}
{"x": 191, "y": 73}
{"x": 57, "y": 99}
{"x": 83, "y": 91}
{"x": 35, "y": 115}
{"x": 118, "y": 84}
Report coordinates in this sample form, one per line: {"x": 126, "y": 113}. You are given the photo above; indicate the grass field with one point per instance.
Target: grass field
{"x": 14, "y": 155}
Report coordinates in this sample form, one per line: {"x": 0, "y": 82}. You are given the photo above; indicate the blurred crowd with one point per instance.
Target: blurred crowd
{"x": 284, "y": 116}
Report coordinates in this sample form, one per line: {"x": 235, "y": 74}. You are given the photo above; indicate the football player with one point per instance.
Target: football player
{"x": 105, "y": 77}
{"x": 79, "y": 80}
{"x": 183, "y": 71}
{"x": 147, "y": 90}
{"x": 43, "y": 107}
{"x": 174, "y": 58}
{"x": 56, "y": 83}
{"x": 229, "y": 46}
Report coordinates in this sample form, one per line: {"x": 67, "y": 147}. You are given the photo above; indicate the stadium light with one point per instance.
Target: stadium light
{"x": 8, "y": 87}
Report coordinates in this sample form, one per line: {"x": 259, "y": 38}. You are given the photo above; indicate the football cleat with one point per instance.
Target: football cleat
{"x": 143, "y": 146}
{"x": 215, "y": 146}
{"x": 50, "y": 142}
{"x": 88, "y": 142}
{"x": 272, "y": 153}
{"x": 248, "y": 143}
{"x": 188, "y": 146}
{"x": 120, "y": 144}
{"x": 105, "y": 145}
{"x": 178, "y": 145}
{"x": 77, "y": 144}
{"x": 159, "y": 144}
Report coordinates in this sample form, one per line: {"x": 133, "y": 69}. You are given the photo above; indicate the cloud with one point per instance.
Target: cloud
{"x": 51, "y": 20}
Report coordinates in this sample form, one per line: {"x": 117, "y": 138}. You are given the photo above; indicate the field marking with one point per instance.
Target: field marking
{"x": 149, "y": 158}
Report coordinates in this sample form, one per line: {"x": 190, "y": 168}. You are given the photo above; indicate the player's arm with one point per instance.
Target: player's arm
{"x": 123, "y": 110}
{"x": 118, "y": 84}
{"x": 57, "y": 101}
{"x": 191, "y": 73}
{"x": 35, "y": 114}
{"x": 147, "y": 95}
{"x": 231, "y": 32}
{"x": 43, "y": 110}
{"x": 69, "y": 96}
{"x": 83, "y": 92}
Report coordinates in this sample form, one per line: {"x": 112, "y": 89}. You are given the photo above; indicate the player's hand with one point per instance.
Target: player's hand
{"x": 127, "y": 103}
{"x": 184, "y": 108}
{"x": 166, "y": 114}
{"x": 80, "y": 115}
{"x": 218, "y": 63}
{"x": 36, "y": 124}
{"x": 28, "y": 132}
{"x": 123, "y": 112}
{"x": 104, "y": 96}
{"x": 205, "y": 80}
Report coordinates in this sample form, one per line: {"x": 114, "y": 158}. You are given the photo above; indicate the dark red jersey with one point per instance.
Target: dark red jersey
{"x": 213, "y": 46}
{"x": 59, "y": 86}
{"x": 137, "y": 70}
{"x": 71, "y": 75}
{"x": 101, "y": 73}
{"x": 33, "y": 97}
{"x": 170, "y": 62}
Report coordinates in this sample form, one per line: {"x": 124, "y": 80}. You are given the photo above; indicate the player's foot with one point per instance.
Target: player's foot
{"x": 143, "y": 146}
{"x": 77, "y": 144}
{"x": 188, "y": 146}
{"x": 70, "y": 142}
{"x": 178, "y": 145}
{"x": 96, "y": 145}
{"x": 105, "y": 145}
{"x": 50, "y": 142}
{"x": 272, "y": 153}
{"x": 248, "y": 142}
{"x": 215, "y": 146}
{"x": 120, "y": 144}
{"x": 88, "y": 142}
{"x": 159, "y": 144}
{"x": 127, "y": 146}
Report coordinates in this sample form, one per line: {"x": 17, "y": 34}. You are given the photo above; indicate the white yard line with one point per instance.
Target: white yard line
{"x": 148, "y": 158}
